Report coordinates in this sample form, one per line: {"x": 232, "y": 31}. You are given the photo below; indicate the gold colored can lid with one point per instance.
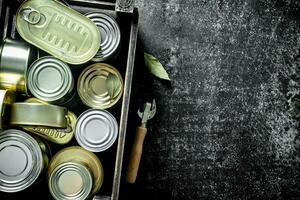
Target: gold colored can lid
{"x": 100, "y": 86}
{"x": 6, "y": 98}
{"x": 56, "y": 135}
{"x": 80, "y": 155}
{"x": 37, "y": 114}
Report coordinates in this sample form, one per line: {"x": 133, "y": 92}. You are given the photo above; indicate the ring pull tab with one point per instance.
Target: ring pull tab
{"x": 31, "y": 15}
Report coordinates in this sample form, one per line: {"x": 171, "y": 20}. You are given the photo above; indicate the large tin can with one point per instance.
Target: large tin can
{"x": 59, "y": 30}
{"x": 15, "y": 58}
{"x": 6, "y": 98}
{"x": 23, "y": 160}
{"x": 50, "y": 80}
{"x": 74, "y": 173}
{"x": 100, "y": 86}
{"x": 110, "y": 35}
{"x": 96, "y": 130}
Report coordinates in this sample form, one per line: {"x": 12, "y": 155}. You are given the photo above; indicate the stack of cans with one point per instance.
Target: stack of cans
{"x": 38, "y": 93}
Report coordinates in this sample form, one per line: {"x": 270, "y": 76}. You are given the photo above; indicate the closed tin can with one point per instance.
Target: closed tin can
{"x": 50, "y": 80}
{"x": 100, "y": 86}
{"x": 39, "y": 115}
{"x": 23, "y": 160}
{"x": 59, "y": 30}
{"x": 96, "y": 130}
{"x": 110, "y": 35}
{"x": 6, "y": 98}
{"x": 15, "y": 58}
{"x": 74, "y": 163}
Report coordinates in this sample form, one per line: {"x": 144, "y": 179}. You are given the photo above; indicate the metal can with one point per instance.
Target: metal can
{"x": 23, "y": 160}
{"x": 6, "y": 98}
{"x": 39, "y": 115}
{"x": 15, "y": 58}
{"x": 110, "y": 35}
{"x": 74, "y": 163}
{"x": 59, "y": 30}
{"x": 50, "y": 80}
{"x": 100, "y": 86}
{"x": 96, "y": 130}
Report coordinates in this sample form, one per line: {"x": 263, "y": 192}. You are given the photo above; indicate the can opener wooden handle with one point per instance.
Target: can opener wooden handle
{"x": 137, "y": 147}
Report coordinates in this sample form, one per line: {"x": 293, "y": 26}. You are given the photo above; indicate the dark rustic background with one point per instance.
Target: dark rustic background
{"x": 227, "y": 125}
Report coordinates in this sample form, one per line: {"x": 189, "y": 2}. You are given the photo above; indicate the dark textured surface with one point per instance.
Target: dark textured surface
{"x": 228, "y": 126}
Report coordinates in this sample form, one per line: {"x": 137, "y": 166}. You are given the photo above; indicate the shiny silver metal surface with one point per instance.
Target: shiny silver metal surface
{"x": 110, "y": 35}
{"x": 96, "y": 130}
{"x": 70, "y": 181}
{"x": 21, "y": 160}
{"x": 15, "y": 58}
{"x": 51, "y": 80}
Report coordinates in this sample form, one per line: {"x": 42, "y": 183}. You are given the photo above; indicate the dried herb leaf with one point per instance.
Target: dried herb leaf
{"x": 155, "y": 67}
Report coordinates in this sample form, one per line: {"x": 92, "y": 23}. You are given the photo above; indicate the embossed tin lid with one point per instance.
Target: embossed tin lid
{"x": 100, "y": 86}
{"x": 50, "y": 79}
{"x": 21, "y": 160}
{"x": 110, "y": 35}
{"x": 96, "y": 130}
{"x": 70, "y": 180}
{"x": 59, "y": 30}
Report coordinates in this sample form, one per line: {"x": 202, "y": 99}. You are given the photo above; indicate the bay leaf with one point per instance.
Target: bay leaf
{"x": 155, "y": 67}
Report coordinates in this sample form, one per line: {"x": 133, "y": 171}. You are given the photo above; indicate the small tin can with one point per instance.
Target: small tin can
{"x": 51, "y": 80}
{"x": 96, "y": 130}
{"x": 6, "y": 98}
{"x": 110, "y": 35}
{"x": 15, "y": 58}
{"x": 74, "y": 163}
{"x": 100, "y": 86}
{"x": 23, "y": 160}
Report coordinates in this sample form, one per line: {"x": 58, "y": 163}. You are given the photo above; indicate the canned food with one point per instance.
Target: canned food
{"x": 110, "y": 35}
{"x": 59, "y": 30}
{"x": 39, "y": 115}
{"x": 81, "y": 159}
{"x": 100, "y": 86}
{"x": 50, "y": 80}
{"x": 15, "y": 57}
{"x": 70, "y": 180}
{"x": 96, "y": 130}
{"x": 23, "y": 160}
{"x": 6, "y": 98}
{"x": 56, "y": 135}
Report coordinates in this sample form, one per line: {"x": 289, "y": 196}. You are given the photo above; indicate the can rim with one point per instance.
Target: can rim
{"x": 59, "y": 170}
{"x": 107, "y": 140}
{"x": 66, "y": 85}
{"x": 84, "y": 91}
{"x": 23, "y": 140}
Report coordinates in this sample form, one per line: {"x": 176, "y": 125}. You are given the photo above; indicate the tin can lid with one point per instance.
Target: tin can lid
{"x": 110, "y": 35}
{"x": 21, "y": 160}
{"x": 70, "y": 180}
{"x": 100, "y": 86}
{"x": 50, "y": 79}
{"x": 59, "y": 30}
{"x": 96, "y": 130}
